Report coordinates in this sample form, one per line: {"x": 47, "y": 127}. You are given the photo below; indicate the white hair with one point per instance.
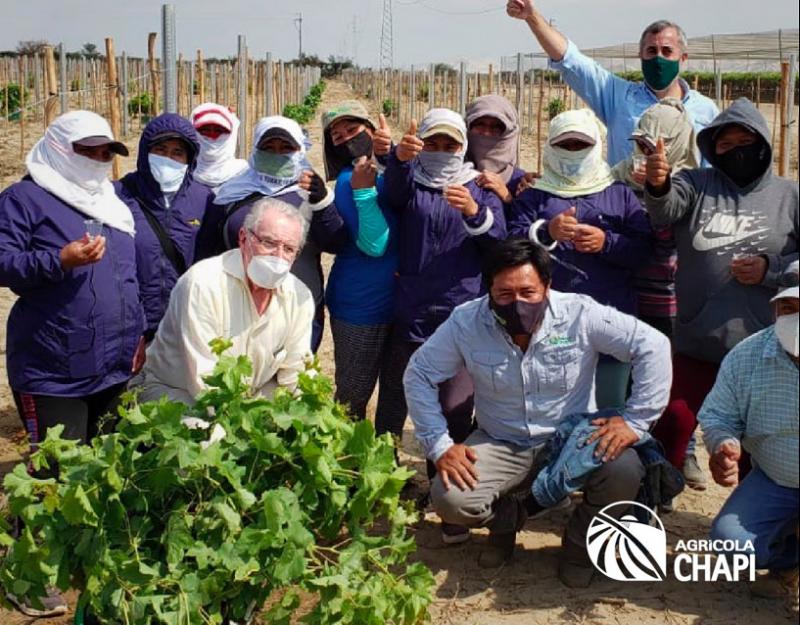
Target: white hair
{"x": 262, "y": 206}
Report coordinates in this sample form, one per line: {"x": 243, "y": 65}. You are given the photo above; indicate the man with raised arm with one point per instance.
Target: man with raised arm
{"x": 617, "y": 102}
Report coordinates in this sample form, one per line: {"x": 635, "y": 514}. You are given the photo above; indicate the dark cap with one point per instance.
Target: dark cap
{"x": 573, "y": 134}
{"x": 278, "y": 133}
{"x": 114, "y": 146}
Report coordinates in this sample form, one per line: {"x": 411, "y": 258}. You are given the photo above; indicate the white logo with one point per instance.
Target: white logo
{"x": 723, "y": 230}
{"x": 628, "y": 550}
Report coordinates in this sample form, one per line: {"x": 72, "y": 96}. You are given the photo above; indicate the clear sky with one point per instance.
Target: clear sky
{"x": 424, "y": 30}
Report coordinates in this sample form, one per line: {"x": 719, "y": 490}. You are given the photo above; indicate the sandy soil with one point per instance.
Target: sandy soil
{"x": 524, "y": 592}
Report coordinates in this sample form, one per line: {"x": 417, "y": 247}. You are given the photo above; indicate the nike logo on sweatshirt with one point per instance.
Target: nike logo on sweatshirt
{"x": 724, "y": 230}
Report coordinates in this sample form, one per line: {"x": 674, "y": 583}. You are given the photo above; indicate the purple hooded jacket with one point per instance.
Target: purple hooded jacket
{"x": 71, "y": 333}
{"x": 439, "y": 260}
{"x": 607, "y": 275}
{"x": 181, "y": 218}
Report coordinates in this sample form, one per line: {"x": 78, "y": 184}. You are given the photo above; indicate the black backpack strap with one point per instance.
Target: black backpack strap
{"x": 167, "y": 245}
{"x": 228, "y": 212}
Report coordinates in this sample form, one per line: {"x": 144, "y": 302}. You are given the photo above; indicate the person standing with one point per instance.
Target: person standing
{"x": 217, "y": 129}
{"x": 619, "y": 103}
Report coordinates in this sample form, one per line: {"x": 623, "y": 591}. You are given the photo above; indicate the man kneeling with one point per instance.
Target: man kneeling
{"x": 532, "y": 354}
{"x": 246, "y": 295}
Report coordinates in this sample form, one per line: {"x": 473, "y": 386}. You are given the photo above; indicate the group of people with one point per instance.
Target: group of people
{"x": 546, "y": 332}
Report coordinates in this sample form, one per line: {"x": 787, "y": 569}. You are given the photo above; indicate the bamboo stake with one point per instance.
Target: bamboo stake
{"x": 23, "y": 62}
{"x": 52, "y": 86}
{"x": 113, "y": 100}
{"x": 201, "y": 77}
{"x": 151, "y": 61}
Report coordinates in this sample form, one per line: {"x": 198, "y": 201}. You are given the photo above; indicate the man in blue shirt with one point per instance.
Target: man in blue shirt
{"x": 754, "y": 405}
{"x": 617, "y": 102}
{"x": 531, "y": 353}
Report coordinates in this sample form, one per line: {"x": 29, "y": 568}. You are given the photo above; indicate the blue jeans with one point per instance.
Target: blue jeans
{"x": 764, "y": 512}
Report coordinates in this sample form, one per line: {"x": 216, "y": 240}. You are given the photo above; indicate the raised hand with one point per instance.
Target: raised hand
{"x": 382, "y": 139}
{"x": 519, "y": 9}
{"x": 459, "y": 197}
{"x": 493, "y": 182}
{"x": 364, "y": 173}
{"x": 410, "y": 144}
{"x": 85, "y": 251}
{"x": 657, "y": 171}
{"x": 562, "y": 227}
{"x": 312, "y": 182}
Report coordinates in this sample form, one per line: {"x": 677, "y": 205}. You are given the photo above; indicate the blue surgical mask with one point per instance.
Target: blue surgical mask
{"x": 169, "y": 174}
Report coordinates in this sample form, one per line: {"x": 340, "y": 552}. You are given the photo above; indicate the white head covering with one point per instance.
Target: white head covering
{"x": 217, "y": 160}
{"x": 572, "y": 174}
{"x": 253, "y": 181}
{"x": 75, "y": 179}
{"x": 457, "y": 172}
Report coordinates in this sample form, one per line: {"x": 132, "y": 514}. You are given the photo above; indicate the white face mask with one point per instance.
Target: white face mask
{"x": 788, "y": 333}
{"x": 89, "y": 174}
{"x": 268, "y": 272}
{"x": 169, "y": 174}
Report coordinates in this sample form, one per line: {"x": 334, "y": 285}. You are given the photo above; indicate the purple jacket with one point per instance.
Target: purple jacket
{"x": 181, "y": 217}
{"x": 608, "y": 275}
{"x": 439, "y": 259}
{"x": 70, "y": 333}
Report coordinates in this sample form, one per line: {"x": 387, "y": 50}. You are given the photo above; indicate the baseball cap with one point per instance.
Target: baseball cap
{"x": 789, "y": 276}
{"x": 212, "y": 116}
{"x": 95, "y": 140}
{"x": 278, "y": 133}
{"x": 573, "y": 134}
{"x": 348, "y": 108}
{"x": 442, "y": 129}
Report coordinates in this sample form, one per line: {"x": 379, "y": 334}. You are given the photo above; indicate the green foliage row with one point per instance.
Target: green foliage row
{"x": 12, "y": 93}
{"x": 156, "y": 524}
{"x": 304, "y": 113}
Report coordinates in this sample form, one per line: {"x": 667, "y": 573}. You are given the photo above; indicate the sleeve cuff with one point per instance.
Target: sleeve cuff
{"x": 362, "y": 195}
{"x": 438, "y": 447}
{"x": 569, "y": 56}
{"x": 533, "y": 235}
{"x": 324, "y": 202}
{"x": 476, "y": 231}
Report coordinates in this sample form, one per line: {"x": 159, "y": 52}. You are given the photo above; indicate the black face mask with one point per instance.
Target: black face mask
{"x": 358, "y": 146}
{"x": 745, "y": 163}
{"x": 519, "y": 317}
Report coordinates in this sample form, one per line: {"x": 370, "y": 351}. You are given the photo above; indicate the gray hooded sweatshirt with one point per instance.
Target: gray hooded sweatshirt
{"x": 713, "y": 219}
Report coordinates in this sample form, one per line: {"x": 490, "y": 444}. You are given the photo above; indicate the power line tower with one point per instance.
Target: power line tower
{"x": 387, "y": 47}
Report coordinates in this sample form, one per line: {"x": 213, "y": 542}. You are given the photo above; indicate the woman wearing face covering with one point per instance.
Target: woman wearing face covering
{"x": 444, "y": 219}
{"x": 493, "y": 139}
{"x": 168, "y": 207}
{"x": 360, "y": 291}
{"x": 596, "y": 228}
{"x": 279, "y": 168}
{"x": 217, "y": 130}
{"x": 74, "y": 335}
{"x": 655, "y": 280}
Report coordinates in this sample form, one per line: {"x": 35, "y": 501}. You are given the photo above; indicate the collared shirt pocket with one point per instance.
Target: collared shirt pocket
{"x": 560, "y": 368}
{"x": 492, "y": 370}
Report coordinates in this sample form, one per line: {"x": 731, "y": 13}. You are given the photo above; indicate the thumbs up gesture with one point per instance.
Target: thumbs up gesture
{"x": 563, "y": 226}
{"x": 410, "y": 144}
{"x": 382, "y": 139}
{"x": 657, "y": 171}
{"x": 724, "y": 463}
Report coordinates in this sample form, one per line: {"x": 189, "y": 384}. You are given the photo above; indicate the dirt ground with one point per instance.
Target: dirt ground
{"x": 524, "y": 592}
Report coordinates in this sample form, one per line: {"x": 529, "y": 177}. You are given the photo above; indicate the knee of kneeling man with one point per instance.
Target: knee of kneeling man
{"x": 726, "y": 527}
{"x": 448, "y": 504}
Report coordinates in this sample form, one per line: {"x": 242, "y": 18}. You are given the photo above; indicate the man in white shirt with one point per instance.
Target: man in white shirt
{"x": 246, "y": 295}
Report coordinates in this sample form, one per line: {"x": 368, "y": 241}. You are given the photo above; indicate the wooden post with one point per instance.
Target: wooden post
{"x": 491, "y": 78}
{"x": 23, "y": 66}
{"x": 431, "y": 84}
{"x": 201, "y": 77}
{"x": 539, "y": 123}
{"x": 52, "y": 86}
{"x": 787, "y": 106}
{"x": 152, "y": 64}
{"x": 113, "y": 100}
{"x": 776, "y": 106}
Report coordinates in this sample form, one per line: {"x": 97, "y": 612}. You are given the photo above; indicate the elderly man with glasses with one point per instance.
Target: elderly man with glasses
{"x": 246, "y": 295}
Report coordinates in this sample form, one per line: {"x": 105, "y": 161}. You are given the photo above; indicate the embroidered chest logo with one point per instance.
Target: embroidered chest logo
{"x": 560, "y": 340}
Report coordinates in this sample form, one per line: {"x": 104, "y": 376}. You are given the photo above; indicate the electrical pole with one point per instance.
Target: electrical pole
{"x": 298, "y": 21}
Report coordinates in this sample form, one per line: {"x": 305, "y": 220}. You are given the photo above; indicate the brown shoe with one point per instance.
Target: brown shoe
{"x": 779, "y": 585}
{"x": 575, "y": 569}
{"x": 498, "y": 550}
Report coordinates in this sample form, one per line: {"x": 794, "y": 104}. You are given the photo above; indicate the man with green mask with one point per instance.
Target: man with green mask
{"x": 617, "y": 102}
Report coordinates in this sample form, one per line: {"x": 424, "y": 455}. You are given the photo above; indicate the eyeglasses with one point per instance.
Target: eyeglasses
{"x": 271, "y": 246}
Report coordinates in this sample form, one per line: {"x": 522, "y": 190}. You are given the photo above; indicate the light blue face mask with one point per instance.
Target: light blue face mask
{"x": 278, "y": 165}
{"x": 169, "y": 174}
{"x": 440, "y": 168}
{"x": 573, "y": 164}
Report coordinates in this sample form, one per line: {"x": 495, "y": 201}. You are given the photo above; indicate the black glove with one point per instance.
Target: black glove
{"x": 317, "y": 189}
